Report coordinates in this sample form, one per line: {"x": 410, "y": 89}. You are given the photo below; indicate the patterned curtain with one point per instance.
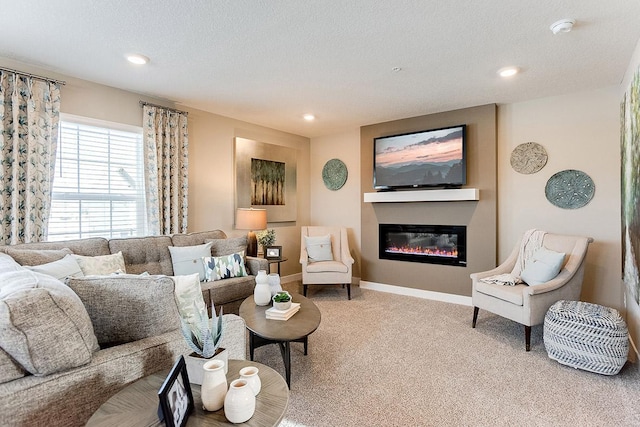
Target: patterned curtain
{"x": 29, "y": 114}
{"x": 166, "y": 142}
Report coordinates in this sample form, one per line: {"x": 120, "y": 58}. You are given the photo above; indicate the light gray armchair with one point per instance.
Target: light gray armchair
{"x": 528, "y": 305}
{"x": 332, "y": 272}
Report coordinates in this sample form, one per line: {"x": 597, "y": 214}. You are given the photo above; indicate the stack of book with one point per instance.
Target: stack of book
{"x": 275, "y": 314}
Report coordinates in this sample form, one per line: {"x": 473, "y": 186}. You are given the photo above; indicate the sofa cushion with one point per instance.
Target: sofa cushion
{"x": 43, "y": 324}
{"x": 198, "y": 238}
{"x": 9, "y": 369}
{"x": 91, "y": 246}
{"x": 224, "y": 267}
{"x": 220, "y": 247}
{"x": 125, "y": 309}
{"x": 36, "y": 256}
{"x": 188, "y": 259}
{"x": 60, "y": 269}
{"x": 100, "y": 265}
{"x": 145, "y": 254}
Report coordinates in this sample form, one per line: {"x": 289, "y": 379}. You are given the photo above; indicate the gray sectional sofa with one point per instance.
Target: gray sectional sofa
{"x": 132, "y": 320}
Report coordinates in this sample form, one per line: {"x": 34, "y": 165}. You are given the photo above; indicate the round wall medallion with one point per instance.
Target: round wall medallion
{"x": 528, "y": 158}
{"x": 570, "y": 189}
{"x": 334, "y": 174}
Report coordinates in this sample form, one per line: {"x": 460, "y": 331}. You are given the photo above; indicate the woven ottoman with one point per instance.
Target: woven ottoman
{"x": 586, "y": 336}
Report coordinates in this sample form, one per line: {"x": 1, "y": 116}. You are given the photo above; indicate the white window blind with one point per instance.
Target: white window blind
{"x": 98, "y": 188}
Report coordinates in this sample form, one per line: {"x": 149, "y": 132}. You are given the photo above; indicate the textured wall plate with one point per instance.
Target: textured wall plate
{"x": 528, "y": 158}
{"x": 334, "y": 174}
{"x": 570, "y": 189}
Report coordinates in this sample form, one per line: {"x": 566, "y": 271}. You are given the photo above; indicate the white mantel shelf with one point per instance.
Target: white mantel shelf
{"x": 450, "y": 195}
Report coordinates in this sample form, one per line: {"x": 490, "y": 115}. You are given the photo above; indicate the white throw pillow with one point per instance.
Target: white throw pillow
{"x": 101, "y": 264}
{"x": 61, "y": 269}
{"x": 542, "y": 267}
{"x": 187, "y": 260}
{"x": 319, "y": 248}
{"x": 189, "y": 297}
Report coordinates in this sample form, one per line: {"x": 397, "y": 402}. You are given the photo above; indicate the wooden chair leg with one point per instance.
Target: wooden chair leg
{"x": 304, "y": 290}
{"x": 527, "y": 337}
{"x": 349, "y": 291}
{"x": 475, "y": 316}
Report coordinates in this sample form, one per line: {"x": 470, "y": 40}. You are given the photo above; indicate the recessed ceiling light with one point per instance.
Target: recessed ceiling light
{"x": 309, "y": 117}
{"x": 562, "y": 26}
{"x": 137, "y": 59}
{"x": 508, "y": 71}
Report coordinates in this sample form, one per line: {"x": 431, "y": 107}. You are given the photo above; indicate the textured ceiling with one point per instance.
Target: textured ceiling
{"x": 269, "y": 62}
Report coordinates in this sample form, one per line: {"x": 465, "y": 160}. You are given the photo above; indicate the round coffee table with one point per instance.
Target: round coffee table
{"x": 263, "y": 331}
{"x": 137, "y": 404}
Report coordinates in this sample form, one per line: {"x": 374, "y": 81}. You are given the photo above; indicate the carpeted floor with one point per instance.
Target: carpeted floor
{"x": 390, "y": 360}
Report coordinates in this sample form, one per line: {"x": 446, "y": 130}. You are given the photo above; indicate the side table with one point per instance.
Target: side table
{"x": 137, "y": 404}
{"x": 276, "y": 261}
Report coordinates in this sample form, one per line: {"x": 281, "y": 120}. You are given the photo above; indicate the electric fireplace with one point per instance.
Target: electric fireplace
{"x": 434, "y": 244}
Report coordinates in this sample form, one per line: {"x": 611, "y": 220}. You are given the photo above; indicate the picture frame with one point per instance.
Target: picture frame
{"x": 273, "y": 252}
{"x": 176, "y": 398}
{"x": 265, "y": 178}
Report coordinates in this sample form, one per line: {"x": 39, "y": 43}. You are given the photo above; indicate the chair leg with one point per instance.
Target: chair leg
{"x": 304, "y": 290}
{"x": 348, "y": 290}
{"x": 475, "y": 316}
{"x": 527, "y": 337}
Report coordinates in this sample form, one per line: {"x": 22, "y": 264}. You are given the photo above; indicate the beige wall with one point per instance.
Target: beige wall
{"x": 211, "y": 138}
{"x": 579, "y": 131}
{"x": 340, "y": 207}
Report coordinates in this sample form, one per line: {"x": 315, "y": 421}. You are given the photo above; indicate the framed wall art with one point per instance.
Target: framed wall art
{"x": 265, "y": 178}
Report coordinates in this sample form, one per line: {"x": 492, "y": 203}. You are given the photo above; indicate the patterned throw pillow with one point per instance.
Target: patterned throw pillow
{"x": 224, "y": 267}
{"x": 101, "y": 265}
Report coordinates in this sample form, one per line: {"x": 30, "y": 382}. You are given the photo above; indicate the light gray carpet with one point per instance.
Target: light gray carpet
{"x": 390, "y": 360}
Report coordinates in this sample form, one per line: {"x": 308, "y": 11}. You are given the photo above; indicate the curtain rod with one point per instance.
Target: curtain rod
{"x": 47, "y": 79}
{"x": 143, "y": 103}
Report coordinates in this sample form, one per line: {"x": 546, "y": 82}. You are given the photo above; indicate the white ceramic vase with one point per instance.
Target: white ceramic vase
{"x": 261, "y": 293}
{"x": 250, "y": 375}
{"x": 274, "y": 283}
{"x": 240, "y": 403}
{"x": 214, "y": 385}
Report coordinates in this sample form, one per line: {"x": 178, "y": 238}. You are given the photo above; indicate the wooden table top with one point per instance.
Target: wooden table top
{"x": 301, "y": 324}
{"x": 137, "y": 404}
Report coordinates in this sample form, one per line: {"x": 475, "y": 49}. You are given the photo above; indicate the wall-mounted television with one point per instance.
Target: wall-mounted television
{"x": 430, "y": 158}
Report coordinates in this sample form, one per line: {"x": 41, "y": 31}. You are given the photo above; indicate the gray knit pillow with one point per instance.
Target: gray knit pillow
{"x": 43, "y": 324}
{"x": 125, "y": 309}
{"x": 220, "y": 247}
{"x": 36, "y": 256}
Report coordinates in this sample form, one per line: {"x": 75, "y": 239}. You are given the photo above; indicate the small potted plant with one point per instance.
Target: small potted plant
{"x": 266, "y": 238}
{"x": 282, "y": 300}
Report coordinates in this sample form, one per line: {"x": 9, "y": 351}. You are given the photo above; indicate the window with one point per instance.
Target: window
{"x": 98, "y": 187}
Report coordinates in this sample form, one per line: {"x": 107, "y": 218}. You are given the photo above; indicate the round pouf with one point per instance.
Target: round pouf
{"x": 586, "y": 336}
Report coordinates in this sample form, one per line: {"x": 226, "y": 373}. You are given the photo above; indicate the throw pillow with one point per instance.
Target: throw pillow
{"x": 126, "y": 309}
{"x": 36, "y": 256}
{"x": 224, "y": 267}
{"x": 542, "y": 267}
{"x": 189, "y": 297}
{"x": 187, "y": 260}
{"x": 43, "y": 324}
{"x": 8, "y": 264}
{"x": 229, "y": 246}
{"x": 61, "y": 269}
{"x": 319, "y": 248}
{"x": 102, "y": 264}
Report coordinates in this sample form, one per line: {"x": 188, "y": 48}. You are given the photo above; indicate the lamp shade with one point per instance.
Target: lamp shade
{"x": 251, "y": 219}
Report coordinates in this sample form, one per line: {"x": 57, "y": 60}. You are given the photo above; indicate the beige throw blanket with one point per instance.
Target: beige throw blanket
{"x": 531, "y": 242}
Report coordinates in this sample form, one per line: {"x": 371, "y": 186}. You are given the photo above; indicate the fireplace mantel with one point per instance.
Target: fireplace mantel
{"x": 447, "y": 195}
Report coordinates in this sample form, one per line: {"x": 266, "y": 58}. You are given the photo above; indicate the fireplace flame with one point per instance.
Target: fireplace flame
{"x": 437, "y": 252}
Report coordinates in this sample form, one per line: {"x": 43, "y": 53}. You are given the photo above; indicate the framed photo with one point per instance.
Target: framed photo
{"x": 273, "y": 252}
{"x": 176, "y": 400}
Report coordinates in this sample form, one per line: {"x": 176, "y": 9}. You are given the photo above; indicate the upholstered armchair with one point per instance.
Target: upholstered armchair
{"x": 526, "y": 304}
{"x": 324, "y": 265}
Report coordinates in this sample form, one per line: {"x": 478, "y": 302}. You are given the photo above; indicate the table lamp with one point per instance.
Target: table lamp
{"x": 251, "y": 219}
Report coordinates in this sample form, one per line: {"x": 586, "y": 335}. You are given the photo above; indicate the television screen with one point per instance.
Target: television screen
{"x": 431, "y": 158}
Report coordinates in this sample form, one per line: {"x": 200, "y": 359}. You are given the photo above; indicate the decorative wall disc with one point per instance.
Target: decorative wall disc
{"x": 528, "y": 158}
{"x": 334, "y": 174}
{"x": 570, "y": 189}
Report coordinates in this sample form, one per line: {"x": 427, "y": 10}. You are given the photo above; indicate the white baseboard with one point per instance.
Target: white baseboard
{"x": 419, "y": 293}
